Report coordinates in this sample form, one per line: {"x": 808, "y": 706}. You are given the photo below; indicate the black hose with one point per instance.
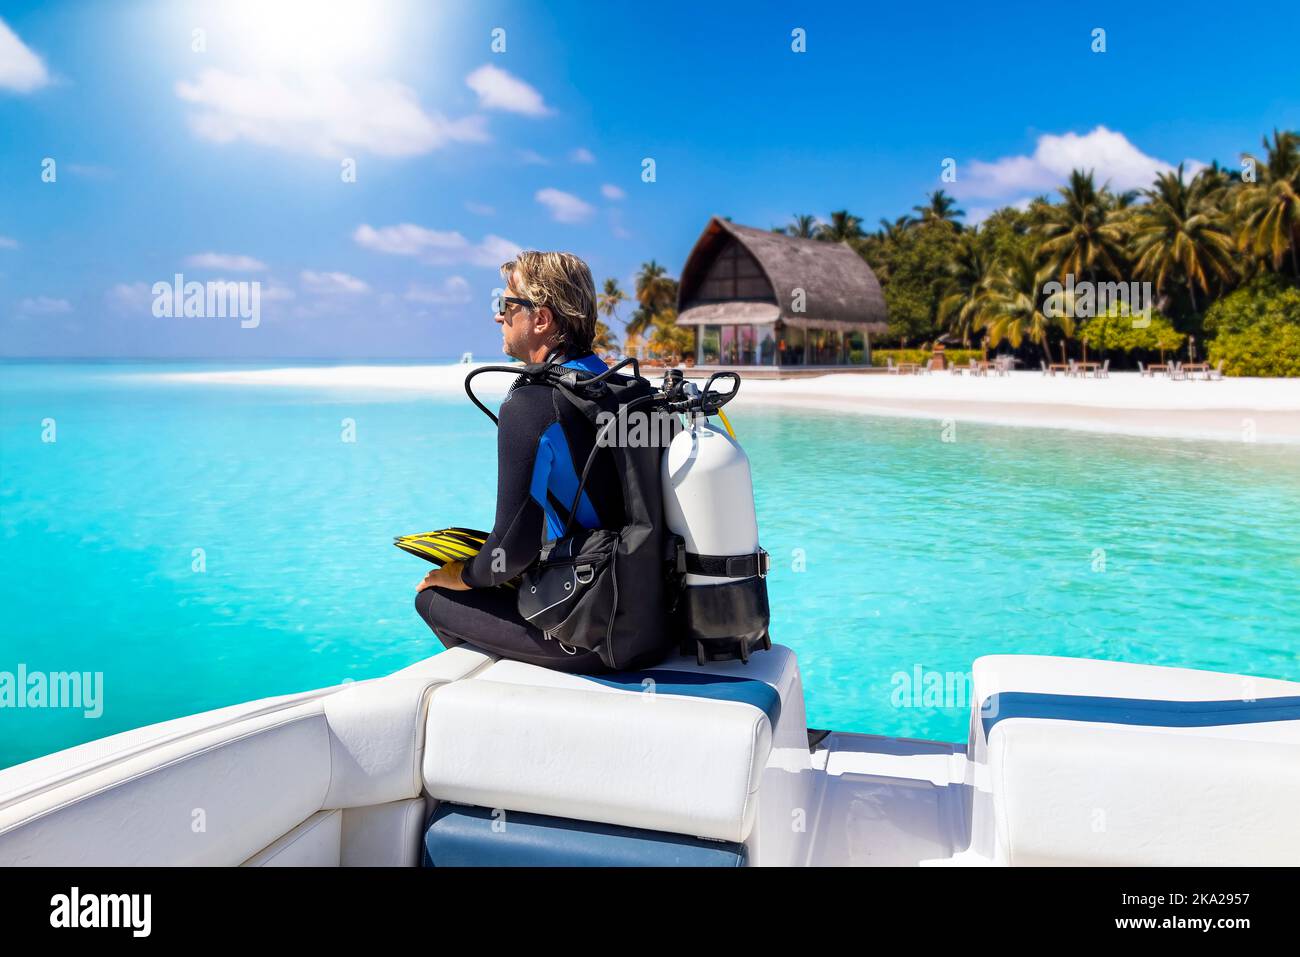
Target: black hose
{"x": 470, "y": 392}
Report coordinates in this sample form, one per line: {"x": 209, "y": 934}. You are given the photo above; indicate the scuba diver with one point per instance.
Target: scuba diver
{"x": 547, "y": 314}
{"x": 612, "y": 544}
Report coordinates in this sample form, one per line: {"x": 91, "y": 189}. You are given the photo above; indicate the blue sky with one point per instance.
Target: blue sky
{"x": 224, "y": 162}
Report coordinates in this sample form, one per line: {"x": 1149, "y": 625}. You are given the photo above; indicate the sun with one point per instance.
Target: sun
{"x": 308, "y": 34}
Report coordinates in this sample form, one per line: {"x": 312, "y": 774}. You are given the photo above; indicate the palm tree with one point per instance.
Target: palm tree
{"x": 1084, "y": 233}
{"x": 801, "y": 226}
{"x": 1180, "y": 232}
{"x": 610, "y": 298}
{"x": 940, "y": 209}
{"x": 668, "y": 339}
{"x": 972, "y": 273}
{"x": 656, "y": 292}
{"x": 892, "y": 232}
{"x": 1119, "y": 202}
{"x": 843, "y": 227}
{"x": 1270, "y": 209}
{"x": 603, "y": 340}
{"x": 1015, "y": 309}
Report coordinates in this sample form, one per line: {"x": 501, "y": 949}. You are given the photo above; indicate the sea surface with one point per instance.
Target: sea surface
{"x": 204, "y": 544}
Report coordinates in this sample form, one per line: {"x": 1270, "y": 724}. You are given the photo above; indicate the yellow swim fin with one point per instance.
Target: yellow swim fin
{"x": 443, "y": 546}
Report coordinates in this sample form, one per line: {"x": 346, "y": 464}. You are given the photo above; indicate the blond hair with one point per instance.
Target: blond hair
{"x": 561, "y": 282}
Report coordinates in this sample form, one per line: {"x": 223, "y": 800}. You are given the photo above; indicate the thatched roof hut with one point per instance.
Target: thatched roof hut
{"x": 741, "y": 275}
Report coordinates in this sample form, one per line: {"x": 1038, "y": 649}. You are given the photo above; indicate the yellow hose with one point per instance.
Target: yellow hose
{"x": 727, "y": 422}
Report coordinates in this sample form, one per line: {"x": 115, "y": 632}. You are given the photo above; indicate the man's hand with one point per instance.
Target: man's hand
{"x": 448, "y": 577}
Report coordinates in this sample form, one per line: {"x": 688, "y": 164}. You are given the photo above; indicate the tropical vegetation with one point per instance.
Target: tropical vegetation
{"x": 1256, "y": 329}
{"x": 1197, "y": 238}
{"x": 1219, "y": 247}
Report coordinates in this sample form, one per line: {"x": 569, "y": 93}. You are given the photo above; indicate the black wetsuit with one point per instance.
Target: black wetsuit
{"x": 539, "y": 459}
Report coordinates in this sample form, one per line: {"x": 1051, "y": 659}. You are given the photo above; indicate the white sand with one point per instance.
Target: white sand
{"x": 1235, "y": 410}
{"x": 1261, "y": 410}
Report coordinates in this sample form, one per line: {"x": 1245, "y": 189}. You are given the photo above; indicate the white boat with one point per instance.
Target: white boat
{"x": 465, "y": 759}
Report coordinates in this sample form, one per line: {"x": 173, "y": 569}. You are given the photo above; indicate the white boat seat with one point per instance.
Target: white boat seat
{"x": 1080, "y": 761}
{"x": 677, "y": 748}
{"x": 316, "y": 842}
{"x": 255, "y": 783}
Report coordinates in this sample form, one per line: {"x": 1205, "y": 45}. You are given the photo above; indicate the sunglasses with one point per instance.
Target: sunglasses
{"x": 514, "y": 301}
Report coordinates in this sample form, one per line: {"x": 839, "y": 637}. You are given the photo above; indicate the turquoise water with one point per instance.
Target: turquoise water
{"x": 916, "y": 553}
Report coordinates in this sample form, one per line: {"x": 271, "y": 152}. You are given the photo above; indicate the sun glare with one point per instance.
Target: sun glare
{"x": 308, "y": 34}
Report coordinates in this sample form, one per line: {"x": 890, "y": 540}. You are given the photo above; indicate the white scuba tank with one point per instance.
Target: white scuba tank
{"x": 709, "y": 495}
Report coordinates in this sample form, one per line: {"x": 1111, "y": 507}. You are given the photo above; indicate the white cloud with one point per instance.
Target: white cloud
{"x": 977, "y": 214}
{"x": 616, "y": 223}
{"x": 479, "y": 209}
{"x": 435, "y": 246}
{"x": 21, "y": 70}
{"x": 231, "y": 262}
{"x": 8, "y": 242}
{"x": 274, "y": 292}
{"x": 331, "y": 283}
{"x": 610, "y": 191}
{"x": 1109, "y": 154}
{"x": 455, "y": 289}
{"x": 130, "y": 297}
{"x": 499, "y": 90}
{"x": 44, "y": 306}
{"x": 321, "y": 115}
{"x": 582, "y": 155}
{"x": 564, "y": 207}
{"x": 533, "y": 158}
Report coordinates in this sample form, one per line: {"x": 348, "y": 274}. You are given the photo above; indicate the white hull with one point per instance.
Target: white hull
{"x": 1069, "y": 761}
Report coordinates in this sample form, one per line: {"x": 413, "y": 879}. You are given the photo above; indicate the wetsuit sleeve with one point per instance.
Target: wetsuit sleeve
{"x": 516, "y": 534}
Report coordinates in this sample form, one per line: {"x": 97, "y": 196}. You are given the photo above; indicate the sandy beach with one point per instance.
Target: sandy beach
{"x": 1233, "y": 410}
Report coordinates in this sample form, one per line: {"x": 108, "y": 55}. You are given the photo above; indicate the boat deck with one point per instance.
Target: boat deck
{"x": 888, "y": 801}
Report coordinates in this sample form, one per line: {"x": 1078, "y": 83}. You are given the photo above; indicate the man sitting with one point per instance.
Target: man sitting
{"x": 547, "y": 313}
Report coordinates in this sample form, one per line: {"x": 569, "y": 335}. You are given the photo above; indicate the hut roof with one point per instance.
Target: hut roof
{"x": 839, "y": 287}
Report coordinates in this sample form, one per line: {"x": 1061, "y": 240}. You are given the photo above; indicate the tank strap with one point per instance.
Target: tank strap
{"x": 729, "y": 566}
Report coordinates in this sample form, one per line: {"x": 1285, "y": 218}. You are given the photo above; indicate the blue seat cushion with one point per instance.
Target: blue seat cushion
{"x": 463, "y": 836}
{"x": 699, "y": 684}
{"x": 1134, "y": 711}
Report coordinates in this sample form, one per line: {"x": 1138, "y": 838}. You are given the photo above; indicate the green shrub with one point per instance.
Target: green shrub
{"x": 1115, "y": 330}
{"x": 1257, "y": 329}
{"x": 1262, "y": 351}
{"x": 959, "y": 357}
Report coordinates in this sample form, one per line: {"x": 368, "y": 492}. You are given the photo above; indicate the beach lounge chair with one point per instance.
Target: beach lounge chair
{"x": 1176, "y": 371}
{"x": 1144, "y": 372}
{"x": 1104, "y": 371}
{"x": 889, "y": 365}
{"x": 1216, "y": 372}
{"x": 1042, "y": 364}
